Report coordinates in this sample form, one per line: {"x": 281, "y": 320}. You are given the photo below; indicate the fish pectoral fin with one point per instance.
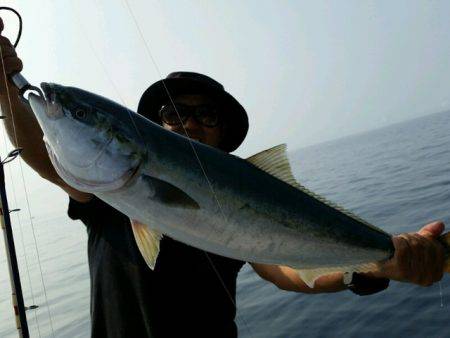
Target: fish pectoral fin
{"x": 309, "y": 276}
{"x": 168, "y": 194}
{"x": 147, "y": 241}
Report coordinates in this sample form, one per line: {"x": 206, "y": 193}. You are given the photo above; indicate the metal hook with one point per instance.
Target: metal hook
{"x": 19, "y": 34}
{"x": 23, "y": 85}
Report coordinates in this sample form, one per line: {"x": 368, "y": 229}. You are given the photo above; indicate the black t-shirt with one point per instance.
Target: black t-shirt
{"x": 182, "y": 296}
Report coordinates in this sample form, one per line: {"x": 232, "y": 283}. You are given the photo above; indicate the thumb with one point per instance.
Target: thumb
{"x": 1, "y": 25}
{"x": 432, "y": 230}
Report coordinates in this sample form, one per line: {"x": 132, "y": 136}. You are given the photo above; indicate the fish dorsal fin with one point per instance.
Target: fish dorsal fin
{"x": 309, "y": 276}
{"x": 274, "y": 161}
{"x": 147, "y": 241}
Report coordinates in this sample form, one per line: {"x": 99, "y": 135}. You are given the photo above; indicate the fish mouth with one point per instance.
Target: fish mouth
{"x": 38, "y": 105}
{"x": 43, "y": 108}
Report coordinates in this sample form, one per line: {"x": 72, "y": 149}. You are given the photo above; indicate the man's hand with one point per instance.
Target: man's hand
{"x": 10, "y": 63}
{"x": 418, "y": 258}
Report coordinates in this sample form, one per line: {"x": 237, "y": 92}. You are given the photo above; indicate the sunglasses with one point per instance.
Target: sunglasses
{"x": 174, "y": 115}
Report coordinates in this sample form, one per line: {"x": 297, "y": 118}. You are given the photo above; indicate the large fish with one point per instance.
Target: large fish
{"x": 252, "y": 210}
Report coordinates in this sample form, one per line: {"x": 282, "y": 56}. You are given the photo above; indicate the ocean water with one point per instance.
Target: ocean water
{"x": 397, "y": 178}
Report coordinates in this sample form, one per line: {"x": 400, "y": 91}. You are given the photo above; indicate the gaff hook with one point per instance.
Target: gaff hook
{"x": 19, "y": 81}
{"x": 23, "y": 85}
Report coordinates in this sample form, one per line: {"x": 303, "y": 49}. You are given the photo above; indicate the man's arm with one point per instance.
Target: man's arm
{"x": 418, "y": 259}
{"x": 21, "y": 125}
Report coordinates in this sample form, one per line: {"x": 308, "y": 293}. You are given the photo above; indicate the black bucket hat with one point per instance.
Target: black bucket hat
{"x": 177, "y": 83}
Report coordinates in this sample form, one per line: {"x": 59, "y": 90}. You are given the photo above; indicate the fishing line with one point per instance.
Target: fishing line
{"x": 21, "y": 171}
{"x": 147, "y": 48}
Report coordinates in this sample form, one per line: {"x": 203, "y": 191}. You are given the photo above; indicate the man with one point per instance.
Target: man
{"x": 190, "y": 291}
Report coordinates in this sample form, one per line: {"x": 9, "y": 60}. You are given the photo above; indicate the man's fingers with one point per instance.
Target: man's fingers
{"x": 1, "y": 25}
{"x": 430, "y": 259}
{"x": 413, "y": 260}
{"x": 12, "y": 65}
{"x": 427, "y": 258}
{"x": 401, "y": 256}
{"x": 419, "y": 257}
{"x": 416, "y": 273}
{"x": 7, "y": 51}
{"x": 432, "y": 230}
{"x": 4, "y": 41}
{"x": 424, "y": 254}
{"x": 434, "y": 250}
{"x": 435, "y": 255}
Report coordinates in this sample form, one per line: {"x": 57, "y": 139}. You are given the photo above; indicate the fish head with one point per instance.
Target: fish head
{"x": 90, "y": 143}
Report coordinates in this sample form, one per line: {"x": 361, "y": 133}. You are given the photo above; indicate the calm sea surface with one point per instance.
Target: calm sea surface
{"x": 397, "y": 178}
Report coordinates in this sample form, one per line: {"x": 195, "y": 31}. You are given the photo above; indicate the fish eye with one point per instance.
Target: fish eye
{"x": 80, "y": 114}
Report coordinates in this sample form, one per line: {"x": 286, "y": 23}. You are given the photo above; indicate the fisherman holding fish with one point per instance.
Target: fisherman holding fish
{"x": 189, "y": 290}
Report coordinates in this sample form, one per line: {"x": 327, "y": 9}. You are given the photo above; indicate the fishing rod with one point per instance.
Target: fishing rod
{"x": 5, "y": 221}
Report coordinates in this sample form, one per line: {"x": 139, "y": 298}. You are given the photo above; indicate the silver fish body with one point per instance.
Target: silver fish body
{"x": 208, "y": 199}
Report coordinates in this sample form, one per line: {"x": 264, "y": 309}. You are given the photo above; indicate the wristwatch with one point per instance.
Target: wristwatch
{"x": 364, "y": 285}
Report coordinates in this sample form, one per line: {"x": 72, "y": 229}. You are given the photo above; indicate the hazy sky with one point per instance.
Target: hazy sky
{"x": 305, "y": 71}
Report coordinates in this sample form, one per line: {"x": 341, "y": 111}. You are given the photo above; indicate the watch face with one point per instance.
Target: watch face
{"x": 347, "y": 278}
